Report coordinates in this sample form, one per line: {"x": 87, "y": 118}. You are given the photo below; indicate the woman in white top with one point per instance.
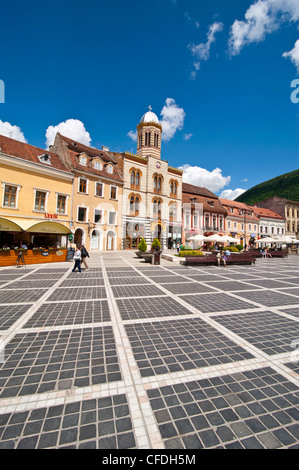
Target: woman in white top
{"x": 77, "y": 259}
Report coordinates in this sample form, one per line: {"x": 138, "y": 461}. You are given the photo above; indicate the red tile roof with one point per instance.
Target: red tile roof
{"x": 266, "y": 213}
{"x": 75, "y": 149}
{"x": 197, "y": 190}
{"x": 28, "y": 152}
{"x": 227, "y": 203}
{"x": 204, "y": 200}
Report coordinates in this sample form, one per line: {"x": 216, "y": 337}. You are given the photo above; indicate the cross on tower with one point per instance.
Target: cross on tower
{"x": 150, "y": 108}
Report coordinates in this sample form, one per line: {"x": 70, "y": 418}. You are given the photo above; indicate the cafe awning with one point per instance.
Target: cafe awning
{"x": 7, "y": 225}
{"x": 31, "y": 226}
{"x": 54, "y": 228}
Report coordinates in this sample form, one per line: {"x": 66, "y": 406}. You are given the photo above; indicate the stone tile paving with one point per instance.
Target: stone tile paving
{"x": 9, "y": 314}
{"x": 129, "y": 355}
{"x": 70, "y": 313}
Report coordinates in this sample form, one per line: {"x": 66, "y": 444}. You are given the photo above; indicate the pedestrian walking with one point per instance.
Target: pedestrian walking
{"x": 178, "y": 247}
{"x": 84, "y": 254}
{"x": 77, "y": 259}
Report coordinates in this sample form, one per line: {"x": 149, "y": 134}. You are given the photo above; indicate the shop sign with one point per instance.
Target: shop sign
{"x": 50, "y": 216}
{"x": 45, "y": 253}
{"x": 59, "y": 253}
{"x": 71, "y": 237}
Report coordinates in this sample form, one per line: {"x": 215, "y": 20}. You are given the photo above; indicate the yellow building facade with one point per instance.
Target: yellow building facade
{"x": 96, "y": 218}
{"x": 35, "y": 196}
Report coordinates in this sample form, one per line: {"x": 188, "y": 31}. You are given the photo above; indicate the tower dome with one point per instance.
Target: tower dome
{"x": 149, "y": 117}
{"x": 149, "y": 132}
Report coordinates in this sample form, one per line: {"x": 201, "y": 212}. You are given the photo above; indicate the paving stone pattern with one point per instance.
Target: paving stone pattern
{"x": 126, "y": 355}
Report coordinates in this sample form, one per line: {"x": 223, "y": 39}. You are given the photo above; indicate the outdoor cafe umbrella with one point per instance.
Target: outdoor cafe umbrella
{"x": 287, "y": 240}
{"x": 196, "y": 238}
{"x": 267, "y": 240}
{"x": 215, "y": 238}
{"x": 229, "y": 239}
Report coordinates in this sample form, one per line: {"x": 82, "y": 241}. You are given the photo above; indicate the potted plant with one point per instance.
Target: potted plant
{"x": 156, "y": 245}
{"x": 142, "y": 248}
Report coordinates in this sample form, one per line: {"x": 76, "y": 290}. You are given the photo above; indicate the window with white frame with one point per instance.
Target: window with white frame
{"x": 40, "y": 201}
{"x": 235, "y": 225}
{"x": 97, "y": 165}
{"x": 112, "y": 218}
{"x": 83, "y": 185}
{"x": 99, "y": 189}
{"x": 254, "y": 228}
{"x": 196, "y": 220}
{"x": 249, "y": 227}
{"x": 228, "y": 224}
{"x": 10, "y": 195}
{"x": 61, "y": 201}
{"x": 82, "y": 214}
{"x": 113, "y": 192}
{"x": 98, "y": 216}
{"x": 110, "y": 169}
{"x": 82, "y": 160}
{"x": 242, "y": 227}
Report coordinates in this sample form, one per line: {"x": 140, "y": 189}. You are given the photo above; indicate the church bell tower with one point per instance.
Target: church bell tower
{"x": 149, "y": 132}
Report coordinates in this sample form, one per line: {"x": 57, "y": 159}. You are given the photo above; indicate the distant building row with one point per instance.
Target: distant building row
{"x": 108, "y": 200}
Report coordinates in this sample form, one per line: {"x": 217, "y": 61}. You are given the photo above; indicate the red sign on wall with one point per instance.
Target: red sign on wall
{"x": 50, "y": 216}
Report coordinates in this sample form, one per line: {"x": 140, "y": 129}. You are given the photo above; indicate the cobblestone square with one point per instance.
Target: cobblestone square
{"x": 128, "y": 355}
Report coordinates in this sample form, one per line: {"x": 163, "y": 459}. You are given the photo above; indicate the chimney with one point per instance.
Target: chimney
{"x": 105, "y": 149}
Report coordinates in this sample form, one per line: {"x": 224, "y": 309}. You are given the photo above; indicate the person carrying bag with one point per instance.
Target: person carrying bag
{"x": 77, "y": 259}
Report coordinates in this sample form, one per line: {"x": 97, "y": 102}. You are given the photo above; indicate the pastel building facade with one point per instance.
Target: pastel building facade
{"x": 287, "y": 209}
{"x": 202, "y": 213}
{"x": 271, "y": 224}
{"x": 97, "y": 194}
{"x": 241, "y": 221}
{"x": 35, "y": 196}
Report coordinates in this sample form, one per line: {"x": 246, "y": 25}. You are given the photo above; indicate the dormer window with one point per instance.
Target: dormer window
{"x": 82, "y": 160}
{"x": 97, "y": 165}
{"x": 45, "y": 158}
{"x": 110, "y": 169}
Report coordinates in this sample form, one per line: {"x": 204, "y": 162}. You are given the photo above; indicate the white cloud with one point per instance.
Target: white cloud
{"x": 187, "y": 136}
{"x": 232, "y": 194}
{"x": 72, "y": 128}
{"x": 172, "y": 119}
{"x": 262, "y": 17}
{"x": 202, "y": 51}
{"x": 132, "y": 135}
{"x": 293, "y": 55}
{"x": 14, "y": 132}
{"x": 244, "y": 180}
{"x": 213, "y": 180}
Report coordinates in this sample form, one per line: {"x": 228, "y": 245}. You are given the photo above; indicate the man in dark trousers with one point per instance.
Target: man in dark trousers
{"x": 84, "y": 254}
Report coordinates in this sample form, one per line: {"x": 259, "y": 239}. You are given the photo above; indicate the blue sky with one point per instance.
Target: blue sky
{"x": 215, "y": 70}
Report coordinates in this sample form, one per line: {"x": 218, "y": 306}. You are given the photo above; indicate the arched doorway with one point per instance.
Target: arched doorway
{"x": 111, "y": 244}
{"x": 96, "y": 240}
{"x": 79, "y": 237}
